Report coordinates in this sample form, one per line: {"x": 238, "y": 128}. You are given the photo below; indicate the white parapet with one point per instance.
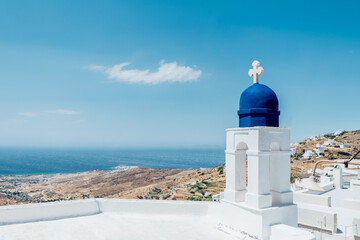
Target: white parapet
{"x": 316, "y": 216}
{"x": 47, "y": 211}
{"x": 76, "y": 208}
{"x": 312, "y": 199}
{"x": 146, "y": 219}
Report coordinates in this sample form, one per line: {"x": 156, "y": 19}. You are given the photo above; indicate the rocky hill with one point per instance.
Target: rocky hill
{"x": 141, "y": 183}
{"x": 342, "y": 145}
{"x": 338, "y": 145}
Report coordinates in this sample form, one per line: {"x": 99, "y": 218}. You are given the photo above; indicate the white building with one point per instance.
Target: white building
{"x": 339, "y": 132}
{"x": 313, "y": 138}
{"x": 334, "y": 212}
{"x": 308, "y": 154}
{"x": 318, "y": 151}
{"x": 261, "y": 209}
{"x": 329, "y": 142}
{"x": 343, "y": 145}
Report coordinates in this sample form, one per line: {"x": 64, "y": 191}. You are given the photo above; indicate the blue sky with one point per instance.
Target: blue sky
{"x": 60, "y": 86}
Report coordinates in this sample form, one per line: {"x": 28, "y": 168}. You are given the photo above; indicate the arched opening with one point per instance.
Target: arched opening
{"x": 236, "y": 159}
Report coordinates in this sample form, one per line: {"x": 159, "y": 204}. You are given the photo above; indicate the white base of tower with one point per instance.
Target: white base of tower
{"x": 234, "y": 196}
{"x": 281, "y": 198}
{"x": 252, "y": 223}
{"x": 257, "y": 195}
{"x": 258, "y": 201}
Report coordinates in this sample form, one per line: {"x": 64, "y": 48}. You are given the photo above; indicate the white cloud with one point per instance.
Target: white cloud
{"x": 96, "y": 68}
{"x": 167, "y": 72}
{"x": 63, "y": 112}
{"x": 28, "y": 114}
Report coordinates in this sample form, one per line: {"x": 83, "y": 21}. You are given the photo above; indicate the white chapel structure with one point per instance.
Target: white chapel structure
{"x": 256, "y": 204}
{"x": 258, "y": 165}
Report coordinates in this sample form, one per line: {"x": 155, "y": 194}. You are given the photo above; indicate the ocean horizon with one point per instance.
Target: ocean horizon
{"x": 30, "y": 161}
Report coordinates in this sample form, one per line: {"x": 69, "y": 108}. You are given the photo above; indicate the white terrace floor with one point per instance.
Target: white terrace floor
{"x": 118, "y": 226}
{"x": 118, "y": 219}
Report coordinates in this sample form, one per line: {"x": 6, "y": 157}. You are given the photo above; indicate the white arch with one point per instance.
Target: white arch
{"x": 241, "y": 146}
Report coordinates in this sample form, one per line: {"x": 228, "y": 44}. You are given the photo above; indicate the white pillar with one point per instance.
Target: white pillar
{"x": 235, "y": 176}
{"x": 280, "y": 171}
{"x": 258, "y": 190}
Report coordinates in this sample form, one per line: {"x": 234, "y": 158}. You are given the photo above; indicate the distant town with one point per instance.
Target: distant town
{"x": 338, "y": 145}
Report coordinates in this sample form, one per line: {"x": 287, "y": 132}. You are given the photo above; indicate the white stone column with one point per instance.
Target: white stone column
{"x": 258, "y": 190}
{"x": 235, "y": 176}
{"x": 280, "y": 170}
{"x": 338, "y": 178}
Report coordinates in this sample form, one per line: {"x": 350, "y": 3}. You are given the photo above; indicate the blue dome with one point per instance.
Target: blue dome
{"x": 259, "y": 96}
{"x": 259, "y": 106}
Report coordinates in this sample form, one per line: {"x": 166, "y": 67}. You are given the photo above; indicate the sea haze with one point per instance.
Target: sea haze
{"x": 45, "y": 161}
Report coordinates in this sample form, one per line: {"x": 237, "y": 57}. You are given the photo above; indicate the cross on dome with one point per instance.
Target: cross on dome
{"x": 256, "y": 71}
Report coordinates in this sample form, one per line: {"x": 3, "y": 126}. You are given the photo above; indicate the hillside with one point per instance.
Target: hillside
{"x": 333, "y": 151}
{"x": 142, "y": 183}
{"x": 328, "y": 146}
{"x": 147, "y": 183}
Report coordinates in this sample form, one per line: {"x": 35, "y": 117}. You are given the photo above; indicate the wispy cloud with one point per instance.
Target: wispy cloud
{"x": 56, "y": 111}
{"x": 167, "y": 72}
{"x": 63, "y": 112}
{"x": 28, "y": 114}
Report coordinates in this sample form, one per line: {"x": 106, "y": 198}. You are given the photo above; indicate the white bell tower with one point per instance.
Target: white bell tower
{"x": 257, "y": 194}
{"x": 265, "y": 153}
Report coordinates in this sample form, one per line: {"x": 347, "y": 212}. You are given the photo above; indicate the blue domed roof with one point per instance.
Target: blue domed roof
{"x": 259, "y": 106}
{"x": 259, "y": 96}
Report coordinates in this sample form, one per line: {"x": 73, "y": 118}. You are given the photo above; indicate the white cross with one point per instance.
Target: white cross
{"x": 256, "y": 71}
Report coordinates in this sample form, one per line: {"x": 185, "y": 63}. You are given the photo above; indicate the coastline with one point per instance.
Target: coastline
{"x": 141, "y": 183}
{"x": 116, "y": 168}
{"x": 28, "y": 161}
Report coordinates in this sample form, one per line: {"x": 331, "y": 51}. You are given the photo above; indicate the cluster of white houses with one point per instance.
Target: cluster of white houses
{"x": 319, "y": 149}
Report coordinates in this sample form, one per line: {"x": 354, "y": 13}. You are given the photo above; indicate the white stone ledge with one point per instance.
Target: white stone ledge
{"x": 67, "y": 209}
{"x": 47, "y": 211}
{"x": 316, "y": 216}
{"x": 321, "y": 200}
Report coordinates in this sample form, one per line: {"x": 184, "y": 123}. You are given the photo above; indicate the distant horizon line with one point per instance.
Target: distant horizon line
{"x": 116, "y": 147}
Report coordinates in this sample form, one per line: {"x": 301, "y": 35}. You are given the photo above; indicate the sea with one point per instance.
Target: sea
{"x": 24, "y": 161}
